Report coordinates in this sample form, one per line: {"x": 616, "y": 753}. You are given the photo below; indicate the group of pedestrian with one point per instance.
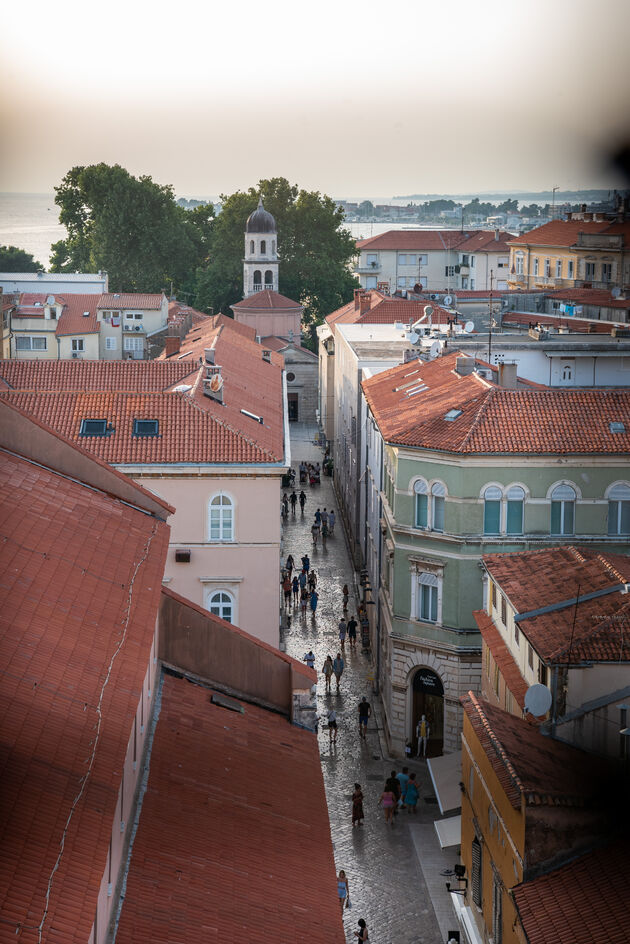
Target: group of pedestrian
{"x": 333, "y": 667}
{"x": 323, "y": 525}
{"x": 300, "y": 587}
{"x": 343, "y": 894}
{"x": 400, "y": 792}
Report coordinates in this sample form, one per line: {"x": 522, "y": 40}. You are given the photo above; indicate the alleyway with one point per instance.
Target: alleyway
{"x": 388, "y": 882}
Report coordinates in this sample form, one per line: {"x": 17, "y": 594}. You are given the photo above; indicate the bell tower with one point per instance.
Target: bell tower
{"x": 260, "y": 265}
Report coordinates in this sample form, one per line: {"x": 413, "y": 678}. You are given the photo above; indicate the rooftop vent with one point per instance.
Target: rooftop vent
{"x": 452, "y": 415}
{"x": 464, "y": 365}
{"x": 146, "y": 428}
{"x": 86, "y": 314}
{"x": 253, "y": 416}
{"x": 617, "y": 427}
{"x": 95, "y": 428}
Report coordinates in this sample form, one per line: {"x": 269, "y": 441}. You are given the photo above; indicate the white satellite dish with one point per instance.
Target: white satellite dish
{"x": 413, "y": 337}
{"x": 428, "y": 310}
{"x": 469, "y": 327}
{"x": 616, "y": 292}
{"x": 537, "y": 700}
{"x": 448, "y": 300}
{"x": 50, "y": 299}
{"x": 435, "y": 349}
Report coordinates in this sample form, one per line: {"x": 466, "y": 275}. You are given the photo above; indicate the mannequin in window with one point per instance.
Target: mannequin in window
{"x": 423, "y": 732}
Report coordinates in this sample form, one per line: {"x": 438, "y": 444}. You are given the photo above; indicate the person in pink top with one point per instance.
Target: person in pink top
{"x": 388, "y": 802}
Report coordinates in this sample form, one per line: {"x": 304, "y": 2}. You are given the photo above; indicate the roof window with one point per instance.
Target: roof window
{"x": 452, "y": 415}
{"x": 93, "y": 428}
{"x": 146, "y": 428}
{"x": 617, "y": 427}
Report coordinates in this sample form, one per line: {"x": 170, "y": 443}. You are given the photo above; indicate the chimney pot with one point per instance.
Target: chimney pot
{"x": 464, "y": 365}
{"x": 507, "y": 376}
{"x": 364, "y": 302}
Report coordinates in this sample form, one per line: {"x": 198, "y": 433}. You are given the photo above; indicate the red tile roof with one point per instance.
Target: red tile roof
{"x": 384, "y": 309}
{"x": 590, "y": 296}
{"x": 593, "y": 630}
{"x": 584, "y": 902}
{"x": 575, "y": 325}
{"x": 234, "y": 839}
{"x": 266, "y": 300}
{"x": 177, "y": 311}
{"x": 494, "y": 420}
{"x": 79, "y": 376}
{"x": 72, "y": 319}
{"x": 528, "y": 765}
{"x": 427, "y": 239}
{"x": 502, "y": 656}
{"x": 564, "y": 233}
{"x": 139, "y": 301}
{"x": 80, "y": 579}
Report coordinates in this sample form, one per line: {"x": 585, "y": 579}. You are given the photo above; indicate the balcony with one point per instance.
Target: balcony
{"x": 367, "y": 268}
{"x": 519, "y": 278}
{"x": 464, "y": 270}
{"x": 258, "y": 287}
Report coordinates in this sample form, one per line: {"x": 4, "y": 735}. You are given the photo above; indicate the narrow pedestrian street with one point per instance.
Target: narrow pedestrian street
{"x": 389, "y": 868}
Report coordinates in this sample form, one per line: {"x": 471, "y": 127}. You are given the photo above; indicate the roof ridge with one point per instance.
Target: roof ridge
{"x": 487, "y": 394}
{"x": 496, "y": 743}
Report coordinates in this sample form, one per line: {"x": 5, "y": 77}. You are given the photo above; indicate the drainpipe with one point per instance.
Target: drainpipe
{"x": 377, "y": 686}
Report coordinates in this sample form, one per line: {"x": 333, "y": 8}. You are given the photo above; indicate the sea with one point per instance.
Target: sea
{"x": 30, "y": 221}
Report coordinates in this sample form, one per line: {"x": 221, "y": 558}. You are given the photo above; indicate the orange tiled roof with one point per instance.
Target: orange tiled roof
{"x": 590, "y": 296}
{"x": 266, "y": 300}
{"x": 79, "y": 376}
{"x": 235, "y": 807}
{"x": 177, "y": 311}
{"x": 527, "y": 764}
{"x": 593, "y": 630}
{"x": 584, "y": 902}
{"x": 137, "y": 300}
{"x": 73, "y": 318}
{"x": 385, "y": 309}
{"x": 564, "y": 233}
{"x": 502, "y": 656}
{"x": 575, "y": 325}
{"x": 74, "y": 563}
{"x": 494, "y": 420}
{"x": 418, "y": 239}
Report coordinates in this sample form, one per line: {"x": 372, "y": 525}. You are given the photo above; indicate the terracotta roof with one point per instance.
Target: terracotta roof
{"x": 266, "y": 300}
{"x": 575, "y": 325}
{"x": 177, "y": 311}
{"x": 590, "y": 296}
{"x": 385, "y": 309}
{"x": 584, "y": 902}
{"x": 72, "y": 319}
{"x": 79, "y": 376}
{"x": 131, "y": 300}
{"x": 529, "y": 765}
{"x": 486, "y": 241}
{"x": 418, "y": 239}
{"x": 502, "y": 656}
{"x": 564, "y": 233}
{"x": 593, "y": 630}
{"x": 203, "y": 335}
{"x": 493, "y": 419}
{"x": 234, "y": 839}
{"x": 274, "y": 343}
{"x": 80, "y": 579}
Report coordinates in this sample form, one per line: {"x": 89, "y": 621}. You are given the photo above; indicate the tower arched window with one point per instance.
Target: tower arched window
{"x": 563, "y": 510}
{"x": 257, "y": 280}
{"x": 252, "y": 247}
{"x": 221, "y": 523}
{"x": 268, "y": 278}
{"x": 263, "y": 247}
{"x": 273, "y": 247}
{"x": 221, "y": 603}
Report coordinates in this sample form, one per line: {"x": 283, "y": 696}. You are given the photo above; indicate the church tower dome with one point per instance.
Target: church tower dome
{"x": 260, "y": 265}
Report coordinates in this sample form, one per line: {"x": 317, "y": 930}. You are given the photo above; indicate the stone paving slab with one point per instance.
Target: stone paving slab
{"x": 387, "y": 884}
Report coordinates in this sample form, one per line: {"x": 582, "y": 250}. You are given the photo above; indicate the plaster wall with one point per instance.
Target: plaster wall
{"x": 90, "y": 350}
{"x": 266, "y": 323}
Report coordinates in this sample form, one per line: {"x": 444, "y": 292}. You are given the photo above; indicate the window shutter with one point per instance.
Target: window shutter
{"x": 476, "y": 872}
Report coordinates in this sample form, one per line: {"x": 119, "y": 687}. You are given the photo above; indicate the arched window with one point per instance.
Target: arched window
{"x": 263, "y": 247}
{"x": 563, "y": 510}
{"x": 421, "y": 492}
{"x": 567, "y": 372}
{"x": 221, "y": 603}
{"x": 492, "y": 510}
{"x": 252, "y": 247}
{"x": 515, "y": 499}
{"x": 268, "y": 278}
{"x": 273, "y": 247}
{"x": 619, "y": 509}
{"x": 257, "y": 280}
{"x": 221, "y": 518}
{"x": 437, "y": 502}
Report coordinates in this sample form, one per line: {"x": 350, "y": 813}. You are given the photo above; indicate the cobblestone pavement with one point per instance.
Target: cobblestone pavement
{"x": 387, "y": 885}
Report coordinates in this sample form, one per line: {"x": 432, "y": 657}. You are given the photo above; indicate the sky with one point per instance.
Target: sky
{"x": 352, "y": 99}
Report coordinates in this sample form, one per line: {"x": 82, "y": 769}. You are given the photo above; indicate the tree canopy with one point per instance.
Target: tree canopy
{"x": 313, "y": 248}
{"x": 129, "y": 226}
{"x": 13, "y": 259}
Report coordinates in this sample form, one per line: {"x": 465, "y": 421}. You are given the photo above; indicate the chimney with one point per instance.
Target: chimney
{"x": 364, "y": 302}
{"x": 357, "y": 293}
{"x": 209, "y": 355}
{"x": 266, "y": 356}
{"x": 173, "y": 345}
{"x": 464, "y": 365}
{"x": 496, "y": 235}
{"x": 507, "y": 376}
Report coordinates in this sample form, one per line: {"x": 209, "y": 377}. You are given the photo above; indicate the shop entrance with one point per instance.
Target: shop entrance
{"x": 292, "y": 403}
{"x": 428, "y": 699}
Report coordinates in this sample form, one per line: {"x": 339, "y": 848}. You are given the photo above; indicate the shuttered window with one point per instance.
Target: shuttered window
{"x": 476, "y": 872}
{"x": 492, "y": 510}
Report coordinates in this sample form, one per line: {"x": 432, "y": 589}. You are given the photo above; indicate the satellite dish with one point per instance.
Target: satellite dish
{"x": 50, "y": 299}
{"x": 428, "y": 310}
{"x": 435, "y": 349}
{"x": 616, "y": 292}
{"x": 537, "y": 700}
{"x": 469, "y": 327}
{"x": 413, "y": 337}
{"x": 216, "y": 383}
{"x": 448, "y": 300}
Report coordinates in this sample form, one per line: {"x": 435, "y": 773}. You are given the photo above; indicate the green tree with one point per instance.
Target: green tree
{"x": 129, "y": 226}
{"x": 13, "y": 259}
{"x": 314, "y": 250}
{"x": 508, "y": 206}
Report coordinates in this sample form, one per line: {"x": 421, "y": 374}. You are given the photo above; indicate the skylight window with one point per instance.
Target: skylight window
{"x": 146, "y": 428}
{"x": 93, "y": 428}
{"x": 617, "y": 427}
{"x": 452, "y": 415}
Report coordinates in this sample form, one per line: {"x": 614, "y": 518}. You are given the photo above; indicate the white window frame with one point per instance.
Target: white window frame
{"x": 78, "y": 345}
{"x": 494, "y": 494}
{"x": 226, "y": 502}
{"x": 429, "y": 573}
{"x": 212, "y": 592}
{"x": 617, "y": 494}
{"x": 438, "y": 491}
{"x": 536, "y": 265}
{"x": 563, "y": 500}
{"x": 519, "y": 263}
{"x": 134, "y": 344}
{"x": 402, "y": 258}
{"x": 420, "y": 487}
{"x": 111, "y": 344}
{"x": 558, "y": 268}
{"x": 570, "y": 268}
{"x": 30, "y": 340}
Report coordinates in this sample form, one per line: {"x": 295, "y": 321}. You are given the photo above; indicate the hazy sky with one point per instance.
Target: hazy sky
{"x": 368, "y": 98}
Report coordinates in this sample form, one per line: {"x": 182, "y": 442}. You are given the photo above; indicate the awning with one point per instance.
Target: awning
{"x": 446, "y": 774}
{"x": 449, "y": 831}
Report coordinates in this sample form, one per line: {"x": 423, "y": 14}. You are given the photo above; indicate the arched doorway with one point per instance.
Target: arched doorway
{"x": 428, "y": 699}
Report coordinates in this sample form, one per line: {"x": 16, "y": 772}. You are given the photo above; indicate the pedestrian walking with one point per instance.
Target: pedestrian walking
{"x": 362, "y": 934}
{"x": 324, "y": 518}
{"x": 388, "y": 801}
{"x": 293, "y": 499}
{"x": 315, "y": 533}
{"x": 285, "y": 505}
{"x": 346, "y": 595}
{"x": 309, "y": 658}
{"x": 338, "y": 667}
{"x": 312, "y": 580}
{"x": 295, "y": 587}
{"x": 331, "y": 522}
{"x": 352, "y": 632}
{"x": 365, "y": 710}
{"x": 286, "y": 586}
{"x": 306, "y": 563}
{"x": 302, "y": 579}
{"x": 423, "y": 732}
{"x": 290, "y": 564}
{"x": 327, "y": 670}
{"x": 343, "y": 889}
{"x": 403, "y": 780}
{"x": 324, "y": 533}
{"x": 343, "y": 629}
{"x": 395, "y": 787}
{"x": 302, "y": 500}
{"x": 332, "y": 726}
{"x": 304, "y": 595}
{"x": 411, "y": 793}
{"x": 313, "y": 601}
{"x": 318, "y": 518}
{"x": 357, "y": 805}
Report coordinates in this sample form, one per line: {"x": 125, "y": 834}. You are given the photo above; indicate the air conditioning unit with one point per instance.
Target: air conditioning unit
{"x": 76, "y": 355}
{"x": 137, "y": 327}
